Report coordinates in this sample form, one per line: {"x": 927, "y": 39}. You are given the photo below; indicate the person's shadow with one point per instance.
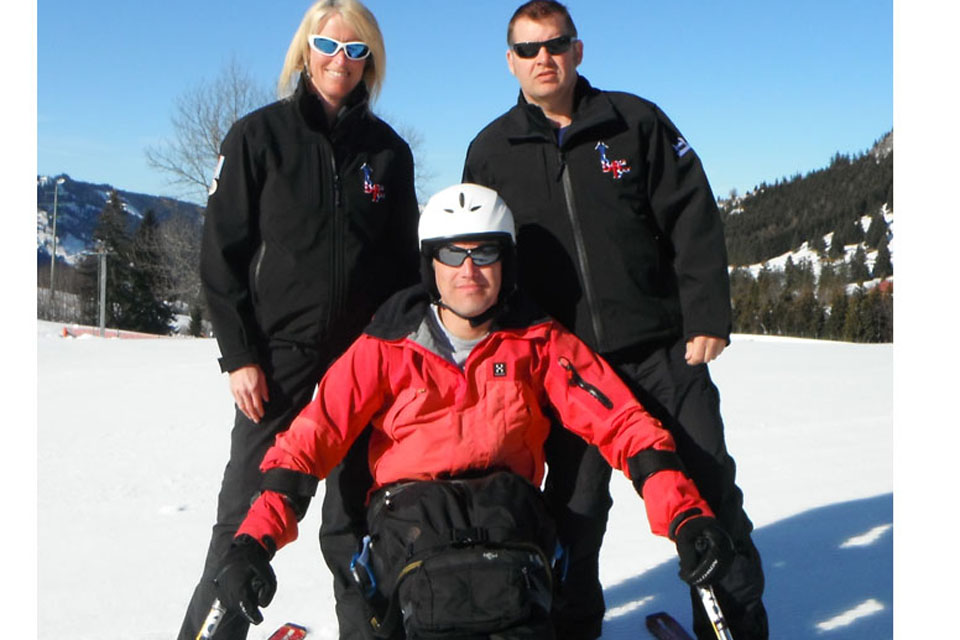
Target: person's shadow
{"x": 829, "y": 575}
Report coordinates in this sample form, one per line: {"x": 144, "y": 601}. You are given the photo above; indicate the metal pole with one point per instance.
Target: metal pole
{"x": 712, "y": 607}
{"x": 53, "y": 255}
{"x": 103, "y": 290}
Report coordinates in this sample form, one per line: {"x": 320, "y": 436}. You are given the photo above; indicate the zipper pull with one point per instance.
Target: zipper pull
{"x": 336, "y": 189}
{"x": 576, "y": 380}
{"x": 563, "y": 164}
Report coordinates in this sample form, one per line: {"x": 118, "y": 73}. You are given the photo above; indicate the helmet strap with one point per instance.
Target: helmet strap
{"x": 477, "y": 320}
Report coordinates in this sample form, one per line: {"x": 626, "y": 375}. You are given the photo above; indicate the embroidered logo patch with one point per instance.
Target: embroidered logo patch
{"x": 616, "y": 167}
{"x": 499, "y": 369}
{"x": 681, "y": 147}
{"x": 376, "y": 191}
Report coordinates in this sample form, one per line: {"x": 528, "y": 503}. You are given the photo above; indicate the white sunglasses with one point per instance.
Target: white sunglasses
{"x": 329, "y": 47}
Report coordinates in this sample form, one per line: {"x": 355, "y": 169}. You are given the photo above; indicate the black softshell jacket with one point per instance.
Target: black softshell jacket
{"x": 619, "y": 237}
{"x": 309, "y": 228}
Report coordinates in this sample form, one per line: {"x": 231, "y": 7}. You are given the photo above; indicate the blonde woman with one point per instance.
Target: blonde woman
{"x": 311, "y": 223}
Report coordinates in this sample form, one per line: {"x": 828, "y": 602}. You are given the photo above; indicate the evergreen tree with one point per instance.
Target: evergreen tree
{"x": 110, "y": 237}
{"x": 111, "y": 227}
{"x": 859, "y": 272}
{"x": 877, "y": 232}
{"x": 770, "y": 282}
{"x": 132, "y": 273}
{"x": 828, "y": 282}
{"x": 806, "y": 278}
{"x": 837, "y": 249}
{"x": 818, "y": 245}
{"x": 791, "y": 276}
{"x": 741, "y": 282}
{"x": 883, "y": 266}
{"x": 810, "y": 315}
{"x": 878, "y": 316}
{"x": 854, "y": 329}
{"x": 196, "y": 321}
{"x": 833, "y": 326}
{"x": 148, "y": 311}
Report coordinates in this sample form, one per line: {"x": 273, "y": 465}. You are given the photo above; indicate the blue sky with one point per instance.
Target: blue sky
{"x": 762, "y": 90}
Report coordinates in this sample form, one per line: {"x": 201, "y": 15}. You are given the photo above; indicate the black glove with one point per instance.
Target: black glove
{"x": 705, "y": 551}
{"x": 245, "y": 579}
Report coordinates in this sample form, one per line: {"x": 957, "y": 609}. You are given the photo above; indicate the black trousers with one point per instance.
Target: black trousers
{"x": 292, "y": 373}
{"x": 685, "y": 399}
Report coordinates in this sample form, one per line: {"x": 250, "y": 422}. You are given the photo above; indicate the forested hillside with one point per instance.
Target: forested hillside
{"x": 811, "y": 256}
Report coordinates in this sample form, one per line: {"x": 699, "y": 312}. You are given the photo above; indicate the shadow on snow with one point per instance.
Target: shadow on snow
{"x": 829, "y": 575}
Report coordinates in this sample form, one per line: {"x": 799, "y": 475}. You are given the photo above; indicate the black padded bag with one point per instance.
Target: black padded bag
{"x": 462, "y": 556}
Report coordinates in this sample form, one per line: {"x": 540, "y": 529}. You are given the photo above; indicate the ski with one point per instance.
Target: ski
{"x": 289, "y": 631}
{"x": 663, "y": 626}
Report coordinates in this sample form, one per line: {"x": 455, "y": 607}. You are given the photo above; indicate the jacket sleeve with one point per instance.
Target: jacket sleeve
{"x": 593, "y": 402}
{"x": 402, "y": 238}
{"x": 230, "y": 240}
{"x": 348, "y": 396}
{"x": 473, "y": 167}
{"x": 686, "y": 210}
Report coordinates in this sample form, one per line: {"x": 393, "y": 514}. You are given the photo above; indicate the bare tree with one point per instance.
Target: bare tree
{"x": 179, "y": 241}
{"x": 202, "y": 116}
{"x": 422, "y": 174}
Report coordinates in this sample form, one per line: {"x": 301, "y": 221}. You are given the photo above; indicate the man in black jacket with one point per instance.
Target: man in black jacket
{"x": 619, "y": 238}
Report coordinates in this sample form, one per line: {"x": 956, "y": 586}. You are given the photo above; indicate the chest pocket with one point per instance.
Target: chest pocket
{"x": 368, "y": 196}
{"x": 293, "y": 207}
{"x": 508, "y": 409}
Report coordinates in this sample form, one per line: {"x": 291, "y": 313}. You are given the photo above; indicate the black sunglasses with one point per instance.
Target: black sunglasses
{"x": 482, "y": 255}
{"x": 555, "y": 46}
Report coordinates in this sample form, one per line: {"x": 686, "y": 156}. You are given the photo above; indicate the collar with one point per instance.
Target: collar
{"x": 404, "y": 312}
{"x": 310, "y": 105}
{"x": 591, "y": 109}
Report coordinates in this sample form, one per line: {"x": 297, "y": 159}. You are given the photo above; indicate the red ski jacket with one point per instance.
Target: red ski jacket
{"x": 431, "y": 419}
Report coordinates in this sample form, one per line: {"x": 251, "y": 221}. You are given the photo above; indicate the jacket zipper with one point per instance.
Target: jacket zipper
{"x": 581, "y": 251}
{"x": 256, "y": 271}
{"x": 336, "y": 297}
{"x": 576, "y": 380}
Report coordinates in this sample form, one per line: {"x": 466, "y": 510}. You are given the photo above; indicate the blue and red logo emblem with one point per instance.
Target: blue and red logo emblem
{"x": 616, "y": 167}
{"x": 376, "y": 191}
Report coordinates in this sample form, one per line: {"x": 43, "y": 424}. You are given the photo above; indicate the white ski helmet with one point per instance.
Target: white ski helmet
{"x": 467, "y": 213}
{"x": 462, "y": 211}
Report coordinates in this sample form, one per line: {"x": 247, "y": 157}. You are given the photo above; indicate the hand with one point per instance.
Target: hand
{"x": 703, "y": 349}
{"x": 245, "y": 579}
{"x": 705, "y": 550}
{"x": 248, "y": 384}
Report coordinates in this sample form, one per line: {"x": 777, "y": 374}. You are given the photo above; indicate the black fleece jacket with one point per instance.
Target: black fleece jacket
{"x": 309, "y": 227}
{"x": 619, "y": 237}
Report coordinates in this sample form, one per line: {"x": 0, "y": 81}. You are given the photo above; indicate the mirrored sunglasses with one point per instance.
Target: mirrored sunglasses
{"x": 329, "y": 47}
{"x": 555, "y": 46}
{"x": 482, "y": 255}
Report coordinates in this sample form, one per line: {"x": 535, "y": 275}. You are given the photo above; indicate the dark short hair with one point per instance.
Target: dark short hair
{"x": 538, "y": 10}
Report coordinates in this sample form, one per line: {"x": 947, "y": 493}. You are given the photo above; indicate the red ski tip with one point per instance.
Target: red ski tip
{"x": 289, "y": 631}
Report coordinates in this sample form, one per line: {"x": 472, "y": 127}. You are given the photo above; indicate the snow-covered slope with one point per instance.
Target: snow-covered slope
{"x": 133, "y": 436}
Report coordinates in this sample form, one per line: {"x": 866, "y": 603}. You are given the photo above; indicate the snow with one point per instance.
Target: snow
{"x": 133, "y": 435}
{"x": 805, "y": 252}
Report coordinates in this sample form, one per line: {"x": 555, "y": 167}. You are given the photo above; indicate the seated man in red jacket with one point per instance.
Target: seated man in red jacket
{"x": 455, "y": 376}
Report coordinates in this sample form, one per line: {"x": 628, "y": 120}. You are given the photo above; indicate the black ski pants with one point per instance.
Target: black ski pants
{"x": 686, "y": 401}
{"x": 292, "y": 372}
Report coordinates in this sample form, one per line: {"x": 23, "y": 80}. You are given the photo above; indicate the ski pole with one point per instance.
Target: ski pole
{"x": 212, "y": 622}
{"x": 712, "y": 607}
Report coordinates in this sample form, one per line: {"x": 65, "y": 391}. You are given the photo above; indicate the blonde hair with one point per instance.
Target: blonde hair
{"x": 360, "y": 20}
